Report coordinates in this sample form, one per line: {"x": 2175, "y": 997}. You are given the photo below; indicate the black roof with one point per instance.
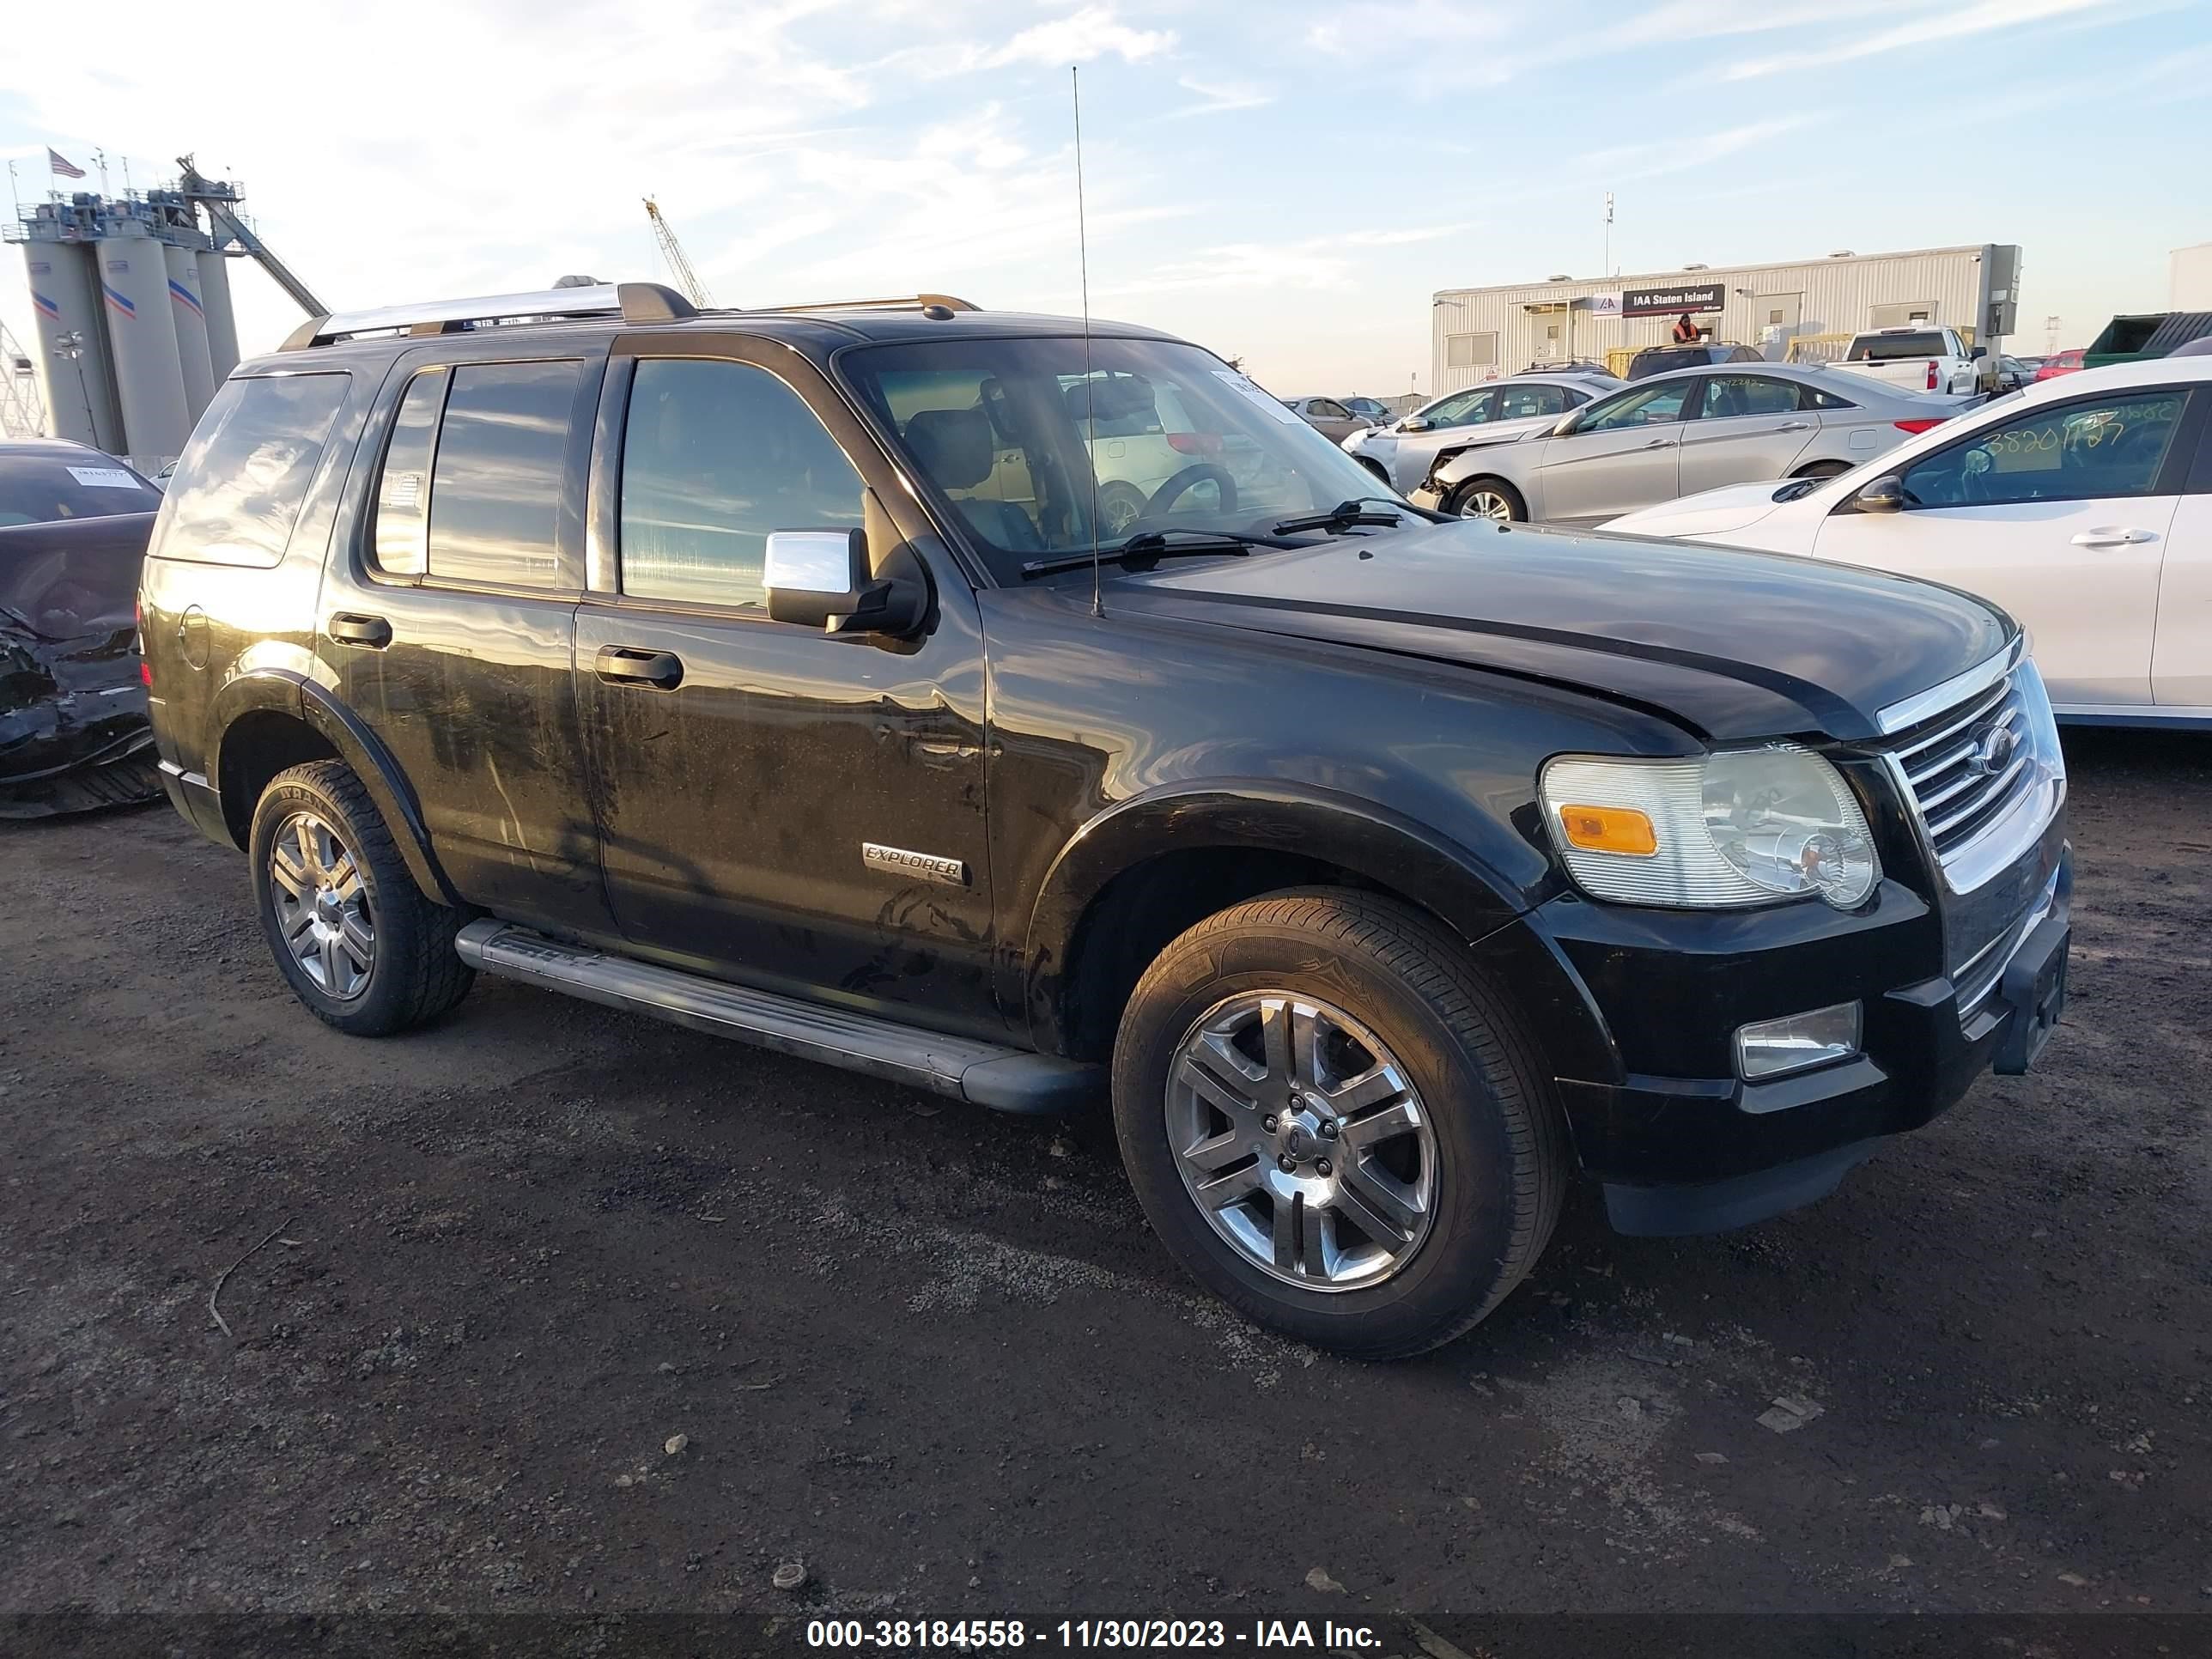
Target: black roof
{"x": 817, "y": 334}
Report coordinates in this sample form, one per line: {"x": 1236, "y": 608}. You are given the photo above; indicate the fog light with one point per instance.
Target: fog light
{"x": 1768, "y": 1048}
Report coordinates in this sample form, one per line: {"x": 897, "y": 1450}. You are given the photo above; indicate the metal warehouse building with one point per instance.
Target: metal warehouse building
{"x": 1805, "y": 310}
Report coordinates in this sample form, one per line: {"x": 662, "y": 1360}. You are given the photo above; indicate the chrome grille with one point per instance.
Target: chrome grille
{"x": 1965, "y": 765}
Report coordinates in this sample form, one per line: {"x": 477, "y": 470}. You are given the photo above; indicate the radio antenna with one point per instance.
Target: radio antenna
{"x": 1090, "y": 386}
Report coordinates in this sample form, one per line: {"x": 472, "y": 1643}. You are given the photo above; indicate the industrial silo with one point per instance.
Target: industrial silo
{"x": 221, "y": 323}
{"x": 150, "y": 381}
{"x": 189, "y": 317}
{"x": 80, "y": 390}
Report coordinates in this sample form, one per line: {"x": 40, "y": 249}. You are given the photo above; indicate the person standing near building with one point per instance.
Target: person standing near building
{"x": 1686, "y": 331}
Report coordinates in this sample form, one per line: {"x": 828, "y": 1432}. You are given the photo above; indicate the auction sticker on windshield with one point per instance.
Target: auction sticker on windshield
{"x": 1243, "y": 383}
{"x": 103, "y": 477}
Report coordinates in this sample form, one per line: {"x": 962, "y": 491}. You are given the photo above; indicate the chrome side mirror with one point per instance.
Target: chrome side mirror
{"x": 1883, "y": 494}
{"x": 1415, "y": 423}
{"x": 823, "y": 578}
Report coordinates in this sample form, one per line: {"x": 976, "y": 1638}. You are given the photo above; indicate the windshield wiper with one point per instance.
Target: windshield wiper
{"x": 1151, "y": 544}
{"x": 1346, "y": 515}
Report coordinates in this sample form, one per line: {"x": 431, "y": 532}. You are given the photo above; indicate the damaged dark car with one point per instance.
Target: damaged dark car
{"x": 74, "y": 524}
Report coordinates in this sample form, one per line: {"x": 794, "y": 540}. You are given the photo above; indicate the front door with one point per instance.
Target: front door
{"x": 756, "y": 781}
{"x": 2181, "y": 666}
{"x": 1624, "y": 453}
{"x": 448, "y": 628}
{"x": 1747, "y": 427}
{"x": 2062, "y": 515}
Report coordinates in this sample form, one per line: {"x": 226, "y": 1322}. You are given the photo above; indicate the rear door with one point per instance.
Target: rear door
{"x": 449, "y": 623}
{"x": 1745, "y": 426}
{"x": 1624, "y": 453}
{"x": 2063, "y": 515}
{"x": 743, "y": 767}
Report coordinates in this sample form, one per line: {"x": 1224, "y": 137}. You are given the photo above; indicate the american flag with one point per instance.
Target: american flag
{"x": 61, "y": 165}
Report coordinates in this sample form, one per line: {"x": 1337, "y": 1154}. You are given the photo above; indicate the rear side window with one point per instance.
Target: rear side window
{"x": 241, "y": 482}
{"x": 1821, "y": 397}
{"x": 495, "y": 483}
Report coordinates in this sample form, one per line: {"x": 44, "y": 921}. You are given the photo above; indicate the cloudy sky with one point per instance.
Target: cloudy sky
{"x": 1284, "y": 179}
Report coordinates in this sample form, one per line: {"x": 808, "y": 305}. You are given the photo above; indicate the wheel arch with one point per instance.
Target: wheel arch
{"x": 1145, "y": 870}
{"x": 274, "y": 719}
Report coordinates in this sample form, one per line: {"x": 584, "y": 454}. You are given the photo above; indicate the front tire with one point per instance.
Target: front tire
{"x": 1488, "y": 498}
{"x": 352, "y": 933}
{"x": 1334, "y": 1125}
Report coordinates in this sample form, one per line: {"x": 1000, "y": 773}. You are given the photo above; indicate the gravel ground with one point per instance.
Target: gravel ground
{"x": 491, "y": 1273}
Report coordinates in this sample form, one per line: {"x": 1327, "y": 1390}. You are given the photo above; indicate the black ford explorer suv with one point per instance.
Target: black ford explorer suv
{"x": 752, "y": 669}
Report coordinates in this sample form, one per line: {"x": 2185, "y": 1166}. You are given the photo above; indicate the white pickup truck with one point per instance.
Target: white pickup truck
{"x": 1916, "y": 358}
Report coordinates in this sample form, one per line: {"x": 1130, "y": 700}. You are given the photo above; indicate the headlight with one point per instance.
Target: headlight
{"x": 1744, "y": 826}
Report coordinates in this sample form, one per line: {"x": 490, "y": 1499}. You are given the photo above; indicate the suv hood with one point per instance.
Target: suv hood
{"x": 1733, "y": 645}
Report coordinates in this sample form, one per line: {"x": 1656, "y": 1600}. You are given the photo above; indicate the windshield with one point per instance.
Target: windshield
{"x": 1013, "y": 435}
{"x": 40, "y": 489}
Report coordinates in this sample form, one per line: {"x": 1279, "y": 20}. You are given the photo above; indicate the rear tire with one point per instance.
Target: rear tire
{"x": 1822, "y": 469}
{"x": 352, "y": 933}
{"x": 1412, "y": 1069}
{"x": 1488, "y": 498}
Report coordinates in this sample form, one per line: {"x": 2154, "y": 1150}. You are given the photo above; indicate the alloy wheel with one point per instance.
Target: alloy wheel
{"x": 1302, "y": 1141}
{"x": 322, "y": 907}
{"x": 1484, "y": 504}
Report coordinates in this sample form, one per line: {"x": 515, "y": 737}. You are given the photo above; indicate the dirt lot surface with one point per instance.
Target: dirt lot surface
{"x": 934, "y": 1354}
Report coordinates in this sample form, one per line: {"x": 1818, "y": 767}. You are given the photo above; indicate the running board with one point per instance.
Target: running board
{"x": 1005, "y": 1079}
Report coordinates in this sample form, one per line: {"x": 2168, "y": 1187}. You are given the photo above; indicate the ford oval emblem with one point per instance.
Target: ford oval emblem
{"x": 1990, "y": 756}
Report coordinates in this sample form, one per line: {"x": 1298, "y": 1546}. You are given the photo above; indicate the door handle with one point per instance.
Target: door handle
{"x": 621, "y": 665}
{"x": 1661, "y": 443}
{"x": 1795, "y": 426}
{"x": 351, "y": 628}
{"x": 2111, "y": 537}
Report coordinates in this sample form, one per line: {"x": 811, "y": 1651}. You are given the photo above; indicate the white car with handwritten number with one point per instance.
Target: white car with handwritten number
{"x": 2083, "y": 506}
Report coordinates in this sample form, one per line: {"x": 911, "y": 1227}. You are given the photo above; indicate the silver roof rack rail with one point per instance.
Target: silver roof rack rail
{"x": 901, "y": 302}
{"x": 634, "y": 302}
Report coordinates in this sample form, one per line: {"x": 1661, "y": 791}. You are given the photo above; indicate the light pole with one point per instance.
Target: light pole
{"x": 71, "y": 346}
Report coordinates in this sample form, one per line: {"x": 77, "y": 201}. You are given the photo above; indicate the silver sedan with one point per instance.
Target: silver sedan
{"x": 1403, "y": 453}
{"x": 1679, "y": 433}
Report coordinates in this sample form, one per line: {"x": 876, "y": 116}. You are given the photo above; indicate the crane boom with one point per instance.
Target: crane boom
{"x": 216, "y": 198}
{"x": 672, "y": 250}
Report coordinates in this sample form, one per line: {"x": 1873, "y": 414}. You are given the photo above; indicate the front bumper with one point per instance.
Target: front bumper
{"x": 1681, "y": 1145}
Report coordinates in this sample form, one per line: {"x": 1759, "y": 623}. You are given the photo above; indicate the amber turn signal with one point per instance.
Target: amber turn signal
{"x": 1609, "y": 829}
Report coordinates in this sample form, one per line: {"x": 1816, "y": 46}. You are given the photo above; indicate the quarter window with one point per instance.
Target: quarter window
{"x": 243, "y": 477}
{"x": 2113, "y": 446}
{"x": 401, "y": 547}
{"x": 1656, "y": 405}
{"x": 496, "y": 485}
{"x": 716, "y": 455}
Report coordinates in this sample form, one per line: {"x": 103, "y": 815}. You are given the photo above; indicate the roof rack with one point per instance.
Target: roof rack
{"x": 901, "y": 302}
{"x": 634, "y": 302}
